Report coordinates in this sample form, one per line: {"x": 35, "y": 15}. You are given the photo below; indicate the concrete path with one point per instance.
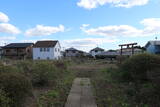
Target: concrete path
{"x": 81, "y": 94}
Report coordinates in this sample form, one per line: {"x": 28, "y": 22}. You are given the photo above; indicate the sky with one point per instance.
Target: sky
{"x": 82, "y": 24}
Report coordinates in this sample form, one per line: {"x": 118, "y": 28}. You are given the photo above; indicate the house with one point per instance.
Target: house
{"x": 46, "y": 50}
{"x": 130, "y": 52}
{"x": 110, "y": 54}
{"x": 153, "y": 47}
{"x": 18, "y": 50}
{"x": 1, "y": 52}
{"x": 96, "y": 51}
{"x": 72, "y": 52}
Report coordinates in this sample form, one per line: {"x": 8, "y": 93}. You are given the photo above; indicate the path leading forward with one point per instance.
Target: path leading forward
{"x": 81, "y": 94}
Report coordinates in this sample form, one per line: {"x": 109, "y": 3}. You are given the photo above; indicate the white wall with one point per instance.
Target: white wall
{"x": 57, "y": 54}
{"x": 93, "y": 53}
{"x": 44, "y": 55}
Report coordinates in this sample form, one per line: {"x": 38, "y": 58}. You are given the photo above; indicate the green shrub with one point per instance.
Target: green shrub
{"x": 25, "y": 66}
{"x": 4, "y": 99}
{"x": 8, "y": 68}
{"x": 43, "y": 74}
{"x": 16, "y": 86}
{"x": 135, "y": 68}
{"x": 142, "y": 73}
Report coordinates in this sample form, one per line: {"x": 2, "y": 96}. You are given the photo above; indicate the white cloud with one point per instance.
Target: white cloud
{"x": 86, "y": 43}
{"x": 6, "y": 39}
{"x": 3, "y": 17}
{"x": 8, "y": 28}
{"x": 41, "y": 30}
{"x": 151, "y": 26}
{"x": 90, "y": 4}
{"x": 122, "y": 30}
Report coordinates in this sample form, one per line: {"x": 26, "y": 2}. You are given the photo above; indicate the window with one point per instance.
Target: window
{"x": 48, "y": 49}
{"x": 58, "y": 49}
{"x": 44, "y": 49}
{"x": 28, "y": 50}
{"x": 41, "y": 49}
{"x": 8, "y": 50}
{"x": 55, "y": 49}
{"x": 38, "y": 58}
{"x": 48, "y": 58}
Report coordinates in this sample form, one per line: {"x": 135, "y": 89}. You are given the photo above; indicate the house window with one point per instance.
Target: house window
{"x": 48, "y": 58}
{"x": 28, "y": 50}
{"x": 41, "y": 49}
{"x": 55, "y": 49}
{"x": 48, "y": 49}
{"x": 44, "y": 49}
{"x": 58, "y": 49}
{"x": 38, "y": 58}
{"x": 7, "y": 50}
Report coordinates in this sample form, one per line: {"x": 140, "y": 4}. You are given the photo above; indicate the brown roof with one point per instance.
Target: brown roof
{"x": 45, "y": 43}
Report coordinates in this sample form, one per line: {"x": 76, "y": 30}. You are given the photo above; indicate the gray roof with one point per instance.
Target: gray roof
{"x": 71, "y": 49}
{"x": 49, "y": 43}
{"x": 156, "y": 42}
{"x": 97, "y": 49}
{"x": 17, "y": 45}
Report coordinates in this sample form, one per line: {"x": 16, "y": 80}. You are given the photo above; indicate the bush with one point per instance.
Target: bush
{"x": 43, "y": 74}
{"x": 16, "y": 86}
{"x": 135, "y": 68}
{"x": 4, "y": 100}
{"x": 8, "y": 68}
{"x": 142, "y": 73}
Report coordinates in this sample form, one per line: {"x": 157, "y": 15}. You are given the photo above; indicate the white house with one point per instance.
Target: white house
{"x": 46, "y": 50}
{"x": 96, "y": 51}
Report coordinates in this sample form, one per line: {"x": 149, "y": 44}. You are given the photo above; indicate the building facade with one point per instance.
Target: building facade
{"x": 18, "y": 51}
{"x": 153, "y": 47}
{"x": 72, "y": 52}
{"x": 96, "y": 51}
{"x": 46, "y": 50}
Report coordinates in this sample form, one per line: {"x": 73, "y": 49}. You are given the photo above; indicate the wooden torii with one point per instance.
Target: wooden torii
{"x": 128, "y": 46}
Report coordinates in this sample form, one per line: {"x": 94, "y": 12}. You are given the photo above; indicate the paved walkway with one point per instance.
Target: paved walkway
{"x": 81, "y": 94}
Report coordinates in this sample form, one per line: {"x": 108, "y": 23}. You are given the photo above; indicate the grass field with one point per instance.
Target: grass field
{"x": 134, "y": 83}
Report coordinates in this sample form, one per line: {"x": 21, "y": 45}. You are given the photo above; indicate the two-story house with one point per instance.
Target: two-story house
{"x": 18, "y": 50}
{"x": 46, "y": 50}
{"x": 96, "y": 51}
{"x": 72, "y": 52}
{"x": 153, "y": 47}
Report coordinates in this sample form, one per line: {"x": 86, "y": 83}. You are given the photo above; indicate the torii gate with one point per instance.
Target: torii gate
{"x": 129, "y": 46}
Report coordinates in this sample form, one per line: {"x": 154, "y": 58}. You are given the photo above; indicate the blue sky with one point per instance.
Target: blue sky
{"x": 83, "y": 24}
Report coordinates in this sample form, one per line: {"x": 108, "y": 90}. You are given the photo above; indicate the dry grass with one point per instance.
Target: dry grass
{"x": 87, "y": 68}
